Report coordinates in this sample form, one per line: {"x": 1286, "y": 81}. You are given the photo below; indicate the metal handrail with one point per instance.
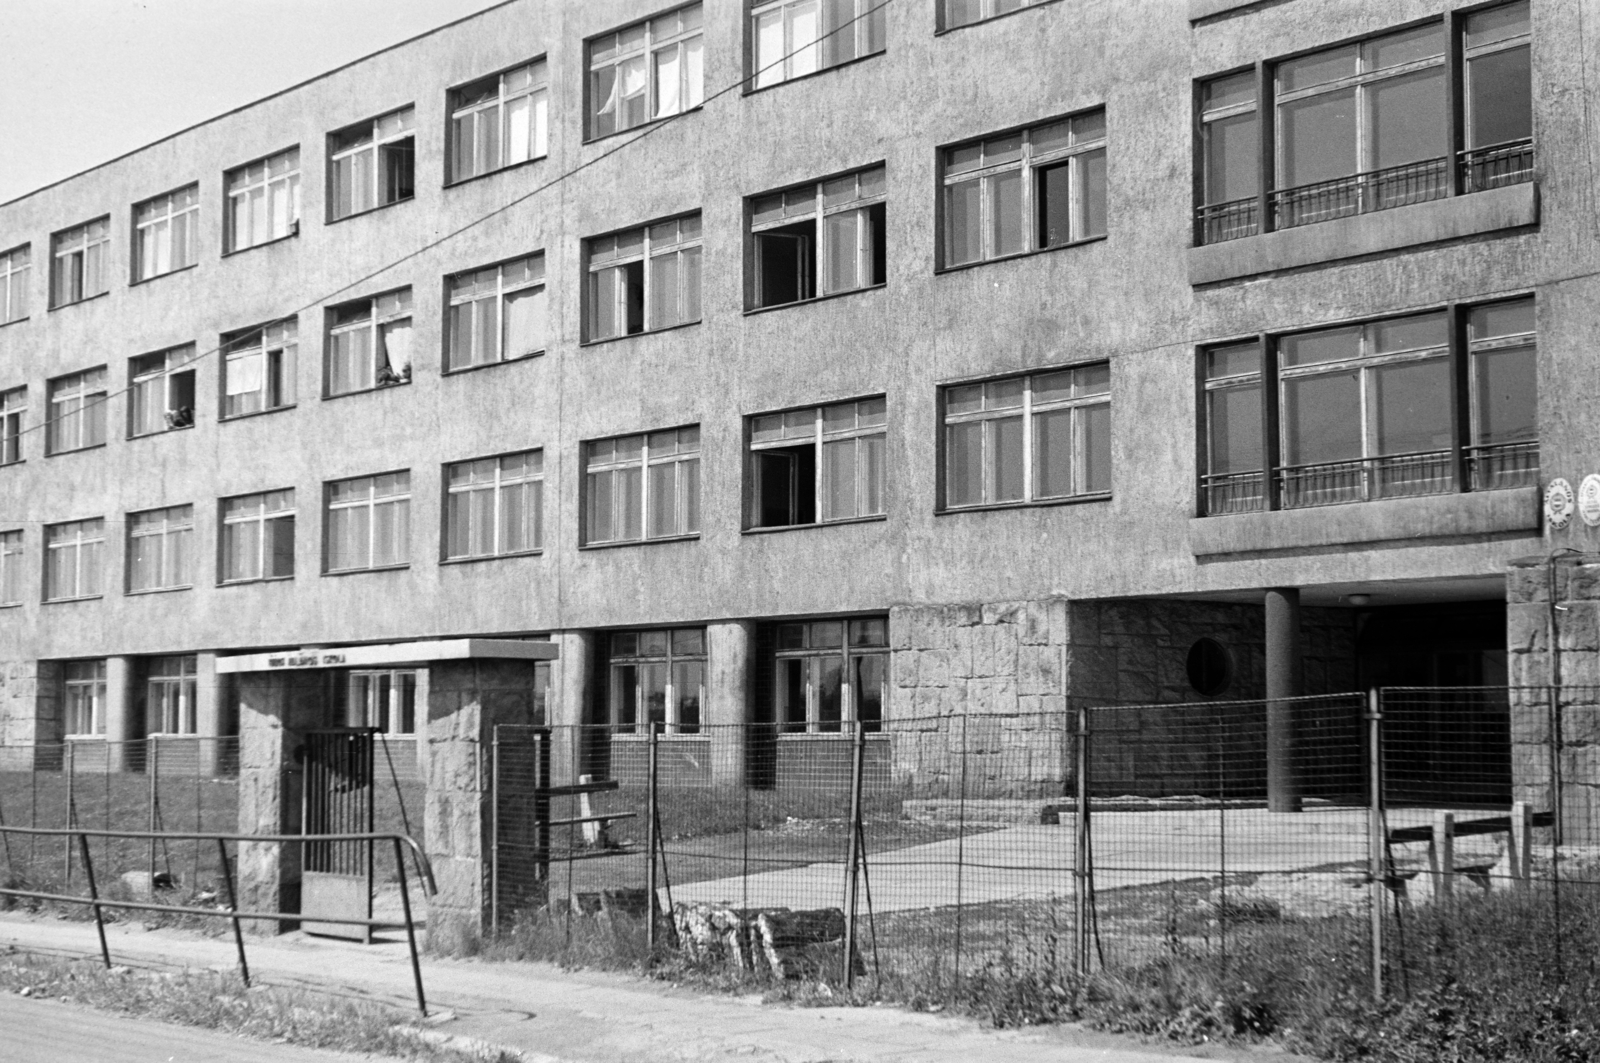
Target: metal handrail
{"x": 233, "y": 912}
{"x": 1360, "y": 193}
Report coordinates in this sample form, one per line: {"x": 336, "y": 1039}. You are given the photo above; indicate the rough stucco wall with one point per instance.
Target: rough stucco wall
{"x": 1577, "y": 598}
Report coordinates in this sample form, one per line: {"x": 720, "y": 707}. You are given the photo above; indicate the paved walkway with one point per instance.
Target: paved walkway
{"x": 1036, "y": 862}
{"x": 554, "y": 1016}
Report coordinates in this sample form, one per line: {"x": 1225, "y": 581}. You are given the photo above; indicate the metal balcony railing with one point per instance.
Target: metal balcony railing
{"x": 1499, "y": 466}
{"x": 1229, "y": 221}
{"x": 1497, "y": 165}
{"x": 1364, "y": 479}
{"x": 1234, "y": 492}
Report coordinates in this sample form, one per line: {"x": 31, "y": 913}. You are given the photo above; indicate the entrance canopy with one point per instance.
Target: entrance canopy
{"x": 390, "y": 653}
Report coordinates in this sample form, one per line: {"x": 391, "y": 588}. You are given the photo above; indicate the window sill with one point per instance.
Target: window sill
{"x": 499, "y": 170}
{"x": 8, "y": 464}
{"x": 366, "y": 391}
{"x": 588, "y": 139}
{"x": 754, "y": 310}
{"x": 530, "y": 356}
{"x": 636, "y": 335}
{"x": 847, "y": 735}
{"x": 1454, "y": 218}
{"x": 75, "y": 450}
{"x": 10, "y": 605}
{"x": 229, "y": 253}
{"x": 256, "y": 413}
{"x": 641, "y": 542}
{"x": 1022, "y": 254}
{"x": 1074, "y": 500}
{"x": 1511, "y": 512}
{"x": 877, "y": 519}
{"x": 490, "y": 557}
{"x": 369, "y": 210}
{"x": 634, "y": 736}
{"x": 137, "y": 281}
{"x": 158, "y": 590}
{"x": 163, "y": 431}
{"x": 807, "y": 77}
{"x": 363, "y": 571}
{"x": 13, "y": 321}
{"x": 68, "y": 601}
{"x": 80, "y": 302}
{"x": 992, "y": 18}
{"x": 254, "y": 579}
{"x": 83, "y": 738}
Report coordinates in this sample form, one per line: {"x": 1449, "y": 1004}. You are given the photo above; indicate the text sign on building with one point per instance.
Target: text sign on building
{"x": 306, "y": 660}
{"x": 1558, "y": 503}
{"x": 1589, "y": 500}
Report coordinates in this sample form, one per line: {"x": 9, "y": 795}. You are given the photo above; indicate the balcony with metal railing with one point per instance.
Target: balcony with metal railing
{"x": 1497, "y": 165}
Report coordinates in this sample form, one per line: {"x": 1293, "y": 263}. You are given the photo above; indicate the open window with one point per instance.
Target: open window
{"x": 258, "y": 368}
{"x": 13, "y": 408}
{"x": 644, "y": 279}
{"x": 78, "y": 266}
{"x": 161, "y": 391}
{"x": 831, "y": 674}
{"x": 793, "y": 38}
{"x": 817, "y": 465}
{"x": 646, "y": 71}
{"x": 818, "y": 239}
{"x": 372, "y": 164}
{"x": 657, "y": 677}
{"x": 500, "y": 121}
{"x": 369, "y": 343}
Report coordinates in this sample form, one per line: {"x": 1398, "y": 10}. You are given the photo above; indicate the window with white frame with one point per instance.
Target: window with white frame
{"x": 1028, "y": 438}
{"x": 161, "y": 391}
{"x": 83, "y": 696}
{"x": 78, "y": 265}
{"x": 646, "y": 71}
{"x": 11, "y": 563}
{"x": 77, "y": 411}
{"x": 166, "y": 233}
{"x": 369, "y": 522}
{"x": 258, "y": 536}
{"x": 372, "y": 164}
{"x": 494, "y": 506}
{"x": 160, "y": 550}
{"x": 793, "y": 38}
{"x": 642, "y": 487}
{"x": 369, "y": 343}
{"x": 73, "y": 560}
{"x": 1025, "y": 191}
{"x": 497, "y": 314}
{"x": 14, "y": 277}
{"x": 829, "y": 674}
{"x": 657, "y": 677}
{"x": 500, "y": 121}
{"x": 170, "y": 689}
{"x": 954, "y": 13}
{"x": 644, "y": 279}
{"x": 263, "y": 201}
{"x": 13, "y": 408}
{"x": 816, "y": 465}
{"x": 384, "y": 698}
{"x": 818, "y": 239}
{"x": 258, "y": 368}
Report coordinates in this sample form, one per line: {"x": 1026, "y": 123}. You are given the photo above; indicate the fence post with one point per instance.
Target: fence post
{"x": 1442, "y": 855}
{"x": 1520, "y": 856}
{"x": 652, "y": 840}
{"x": 853, "y": 860}
{"x": 1080, "y": 847}
{"x": 94, "y": 897}
{"x": 72, "y": 811}
{"x": 153, "y": 769}
{"x": 1375, "y": 835}
{"x": 233, "y": 907}
{"x": 494, "y": 833}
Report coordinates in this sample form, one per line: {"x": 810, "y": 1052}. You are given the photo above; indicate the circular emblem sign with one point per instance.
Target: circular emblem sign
{"x": 1558, "y": 503}
{"x": 1589, "y": 500}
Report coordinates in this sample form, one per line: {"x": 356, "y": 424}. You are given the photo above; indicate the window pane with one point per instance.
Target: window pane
{"x": 1005, "y": 459}
{"x": 1233, "y": 417}
{"x": 1407, "y": 116}
{"x": 792, "y": 694}
{"x": 663, "y": 500}
{"x": 1317, "y": 69}
{"x": 1091, "y": 220}
{"x": 625, "y": 696}
{"x": 630, "y": 502}
{"x": 805, "y": 55}
{"x": 1499, "y": 97}
{"x": 869, "y": 679}
{"x": 668, "y": 81}
{"x": 1231, "y": 90}
{"x": 603, "y": 304}
{"x": 653, "y": 691}
{"x": 1322, "y": 419}
{"x": 839, "y": 479}
{"x": 1055, "y": 205}
{"x": 1005, "y": 212}
{"x": 840, "y": 232}
{"x": 1318, "y": 138}
{"x": 1096, "y": 445}
{"x": 1507, "y": 396}
{"x": 664, "y": 291}
{"x": 518, "y": 139}
{"x": 1325, "y": 346}
{"x": 870, "y": 459}
{"x": 963, "y": 234}
{"x": 1052, "y": 454}
{"x": 769, "y": 48}
{"x": 828, "y": 675}
{"x": 689, "y": 269}
{"x": 964, "y": 464}
{"x": 524, "y": 322}
{"x": 1407, "y": 46}
{"x": 689, "y": 489}
{"x": 1412, "y": 406}
{"x": 687, "y": 679}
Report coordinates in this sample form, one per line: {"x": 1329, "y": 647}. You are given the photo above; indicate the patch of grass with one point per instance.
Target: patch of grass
{"x": 610, "y": 940}
{"x": 219, "y": 1001}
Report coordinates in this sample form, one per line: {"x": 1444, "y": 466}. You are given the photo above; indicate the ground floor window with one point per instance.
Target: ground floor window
{"x": 657, "y": 676}
{"x": 830, "y": 673}
{"x": 385, "y": 698}
{"x": 170, "y": 687}
{"x": 83, "y": 710}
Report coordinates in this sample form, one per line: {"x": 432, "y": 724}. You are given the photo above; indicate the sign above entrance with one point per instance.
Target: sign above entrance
{"x": 390, "y": 653}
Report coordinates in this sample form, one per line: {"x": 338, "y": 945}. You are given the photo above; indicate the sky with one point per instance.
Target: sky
{"x": 83, "y": 81}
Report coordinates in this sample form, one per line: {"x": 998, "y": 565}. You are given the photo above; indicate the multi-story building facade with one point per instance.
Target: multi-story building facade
{"x": 797, "y": 363}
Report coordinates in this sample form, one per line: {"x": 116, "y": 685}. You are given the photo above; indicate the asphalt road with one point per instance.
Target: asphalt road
{"x": 43, "y": 1031}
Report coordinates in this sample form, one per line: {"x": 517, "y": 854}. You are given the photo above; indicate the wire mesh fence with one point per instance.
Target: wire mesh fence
{"x": 934, "y": 852}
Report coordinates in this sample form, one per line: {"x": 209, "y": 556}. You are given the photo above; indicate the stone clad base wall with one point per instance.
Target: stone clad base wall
{"x": 1029, "y": 665}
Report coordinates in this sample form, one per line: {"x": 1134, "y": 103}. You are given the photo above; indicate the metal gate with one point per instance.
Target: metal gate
{"x": 336, "y": 877}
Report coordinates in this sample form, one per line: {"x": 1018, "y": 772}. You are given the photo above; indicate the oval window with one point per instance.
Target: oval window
{"x": 1210, "y": 667}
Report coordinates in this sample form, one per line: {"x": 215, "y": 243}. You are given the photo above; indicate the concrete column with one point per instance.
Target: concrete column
{"x": 47, "y": 724}
{"x": 275, "y": 711}
{"x": 123, "y": 724}
{"x": 567, "y": 704}
{"x": 208, "y": 714}
{"x": 1285, "y": 679}
{"x": 730, "y": 661}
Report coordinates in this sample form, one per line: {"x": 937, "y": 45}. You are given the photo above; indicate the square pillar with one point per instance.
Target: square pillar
{"x": 209, "y": 723}
{"x": 730, "y": 662}
{"x": 567, "y": 708}
{"x": 275, "y": 711}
